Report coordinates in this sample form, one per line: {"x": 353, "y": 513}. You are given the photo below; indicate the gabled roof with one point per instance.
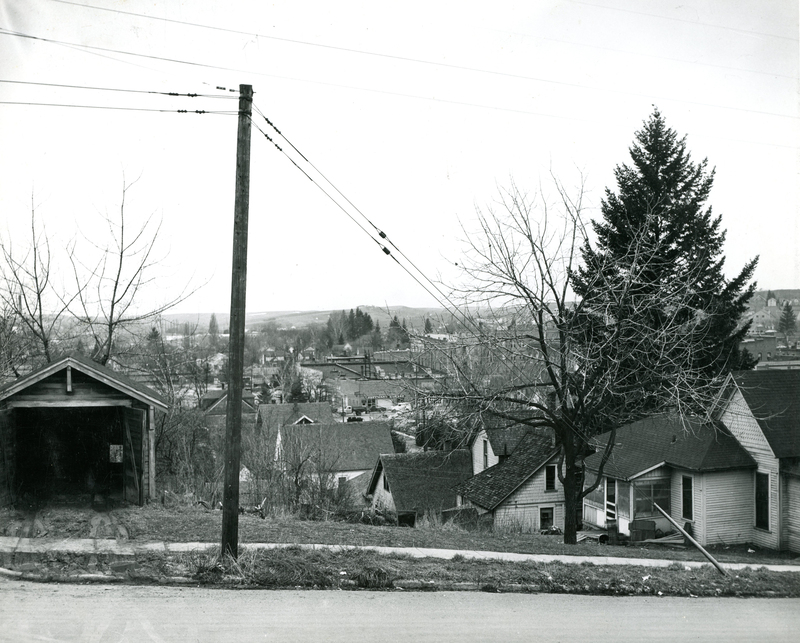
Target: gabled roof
{"x": 214, "y": 402}
{"x": 423, "y": 480}
{"x": 352, "y": 446}
{"x": 118, "y": 381}
{"x": 773, "y": 397}
{"x": 667, "y": 440}
{"x": 493, "y": 485}
{"x": 275, "y": 415}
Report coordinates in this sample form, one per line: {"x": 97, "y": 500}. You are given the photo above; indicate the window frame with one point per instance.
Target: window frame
{"x": 485, "y": 453}
{"x": 639, "y": 498}
{"x": 550, "y": 477}
{"x": 759, "y": 510}
{"x": 690, "y": 514}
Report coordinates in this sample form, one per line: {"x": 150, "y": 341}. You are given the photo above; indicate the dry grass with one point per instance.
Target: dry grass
{"x": 192, "y": 524}
{"x": 298, "y": 568}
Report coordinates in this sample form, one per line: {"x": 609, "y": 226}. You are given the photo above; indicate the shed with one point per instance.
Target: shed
{"x": 74, "y": 427}
{"x": 409, "y": 484}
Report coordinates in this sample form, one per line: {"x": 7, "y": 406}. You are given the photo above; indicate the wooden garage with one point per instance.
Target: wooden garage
{"x": 74, "y": 428}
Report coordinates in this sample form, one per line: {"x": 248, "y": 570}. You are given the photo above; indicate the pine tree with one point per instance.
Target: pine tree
{"x": 788, "y": 322}
{"x": 213, "y": 331}
{"x": 660, "y": 205}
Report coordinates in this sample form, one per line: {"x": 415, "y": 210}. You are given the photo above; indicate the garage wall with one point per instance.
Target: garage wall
{"x": 7, "y": 456}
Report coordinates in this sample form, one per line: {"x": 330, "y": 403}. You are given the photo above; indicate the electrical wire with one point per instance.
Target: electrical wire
{"x": 379, "y": 232}
{"x": 4, "y": 31}
{"x": 128, "y": 109}
{"x": 423, "y": 61}
{"x": 117, "y": 89}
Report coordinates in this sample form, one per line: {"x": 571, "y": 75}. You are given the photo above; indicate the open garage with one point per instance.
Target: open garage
{"x": 76, "y": 428}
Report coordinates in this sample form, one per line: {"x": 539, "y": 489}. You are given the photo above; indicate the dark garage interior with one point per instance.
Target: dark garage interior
{"x": 69, "y": 453}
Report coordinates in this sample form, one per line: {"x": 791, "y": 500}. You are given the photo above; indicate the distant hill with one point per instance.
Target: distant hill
{"x": 415, "y": 317}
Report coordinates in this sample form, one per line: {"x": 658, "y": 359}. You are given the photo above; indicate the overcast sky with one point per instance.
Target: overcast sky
{"x": 416, "y": 111}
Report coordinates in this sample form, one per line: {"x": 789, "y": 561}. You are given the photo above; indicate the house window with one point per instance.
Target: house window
{"x": 650, "y": 493}
{"x": 550, "y": 477}
{"x": 485, "y": 454}
{"x": 688, "y": 498}
{"x": 545, "y": 517}
{"x": 762, "y": 500}
{"x": 385, "y": 483}
{"x": 597, "y": 497}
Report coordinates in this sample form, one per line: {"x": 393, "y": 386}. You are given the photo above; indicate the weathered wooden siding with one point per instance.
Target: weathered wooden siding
{"x": 382, "y": 499}
{"x": 134, "y": 448}
{"x": 791, "y": 509}
{"x": 477, "y": 453}
{"x": 8, "y": 455}
{"x": 729, "y": 499}
{"x": 53, "y": 390}
{"x": 521, "y": 508}
{"x": 742, "y": 423}
{"x": 676, "y": 502}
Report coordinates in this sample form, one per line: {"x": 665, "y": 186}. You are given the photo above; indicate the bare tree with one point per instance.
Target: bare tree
{"x": 34, "y": 307}
{"x": 530, "y": 354}
{"x": 111, "y": 289}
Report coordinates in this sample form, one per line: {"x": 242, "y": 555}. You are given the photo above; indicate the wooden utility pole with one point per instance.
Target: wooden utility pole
{"x": 233, "y": 420}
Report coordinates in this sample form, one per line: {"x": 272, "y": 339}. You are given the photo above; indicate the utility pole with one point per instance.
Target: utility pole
{"x": 233, "y": 419}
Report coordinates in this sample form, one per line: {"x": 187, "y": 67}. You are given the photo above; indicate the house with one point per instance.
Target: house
{"x": 495, "y": 442}
{"x": 339, "y": 450}
{"x": 696, "y": 471}
{"x": 409, "y": 484}
{"x": 74, "y": 426}
{"x": 521, "y": 491}
{"x": 214, "y": 405}
{"x": 273, "y": 416}
{"x": 370, "y": 394}
{"x": 762, "y": 410}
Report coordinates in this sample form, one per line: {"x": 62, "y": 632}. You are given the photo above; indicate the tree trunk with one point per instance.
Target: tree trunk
{"x": 573, "y": 484}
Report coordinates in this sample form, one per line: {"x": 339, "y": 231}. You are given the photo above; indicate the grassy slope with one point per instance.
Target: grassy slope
{"x": 188, "y": 524}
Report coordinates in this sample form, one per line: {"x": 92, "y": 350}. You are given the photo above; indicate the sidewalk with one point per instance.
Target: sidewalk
{"x": 10, "y": 547}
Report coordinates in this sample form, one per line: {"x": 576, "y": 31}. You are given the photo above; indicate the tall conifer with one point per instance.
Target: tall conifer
{"x": 660, "y": 205}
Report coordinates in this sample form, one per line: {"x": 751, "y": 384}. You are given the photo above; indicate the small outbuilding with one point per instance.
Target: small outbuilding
{"x": 75, "y": 427}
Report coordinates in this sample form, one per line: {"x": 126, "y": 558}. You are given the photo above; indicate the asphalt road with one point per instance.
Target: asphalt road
{"x": 112, "y": 613}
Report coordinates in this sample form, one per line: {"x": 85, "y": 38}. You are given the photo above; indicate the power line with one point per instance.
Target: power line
{"x": 410, "y": 59}
{"x": 7, "y": 32}
{"x": 116, "y": 89}
{"x": 111, "y": 107}
{"x": 684, "y": 20}
{"x": 380, "y": 232}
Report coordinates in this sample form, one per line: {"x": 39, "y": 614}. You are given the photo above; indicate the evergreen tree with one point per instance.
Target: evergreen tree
{"x": 660, "y": 204}
{"x": 788, "y": 322}
{"x": 213, "y": 331}
{"x": 428, "y": 326}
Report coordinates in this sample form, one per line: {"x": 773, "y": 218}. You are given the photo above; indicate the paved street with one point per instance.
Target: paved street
{"x": 111, "y": 613}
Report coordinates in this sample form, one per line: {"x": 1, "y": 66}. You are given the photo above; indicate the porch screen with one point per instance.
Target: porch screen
{"x": 648, "y": 493}
{"x": 624, "y": 498}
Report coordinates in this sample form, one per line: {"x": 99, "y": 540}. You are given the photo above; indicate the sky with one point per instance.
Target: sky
{"x": 417, "y": 112}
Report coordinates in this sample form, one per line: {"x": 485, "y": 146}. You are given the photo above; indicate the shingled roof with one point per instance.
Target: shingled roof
{"x": 272, "y": 416}
{"x": 424, "y": 480}
{"x": 351, "y": 446}
{"x": 112, "y": 378}
{"x": 773, "y": 397}
{"x": 493, "y": 485}
{"x": 668, "y": 440}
